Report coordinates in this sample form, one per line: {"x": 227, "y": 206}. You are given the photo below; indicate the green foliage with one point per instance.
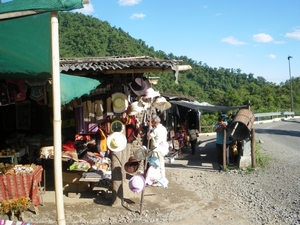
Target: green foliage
{"x": 85, "y": 36}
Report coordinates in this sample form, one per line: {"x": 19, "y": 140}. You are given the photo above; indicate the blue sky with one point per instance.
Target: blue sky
{"x": 256, "y": 36}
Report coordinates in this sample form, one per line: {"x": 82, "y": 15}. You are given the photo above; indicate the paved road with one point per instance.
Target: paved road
{"x": 284, "y": 133}
{"x": 279, "y": 134}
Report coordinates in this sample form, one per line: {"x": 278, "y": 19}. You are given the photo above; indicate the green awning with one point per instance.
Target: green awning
{"x": 25, "y": 42}
{"x": 25, "y": 49}
{"x": 72, "y": 87}
{"x": 40, "y": 5}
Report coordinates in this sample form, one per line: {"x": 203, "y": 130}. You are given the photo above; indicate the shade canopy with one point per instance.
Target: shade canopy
{"x": 204, "y": 106}
{"x": 25, "y": 50}
{"x": 72, "y": 87}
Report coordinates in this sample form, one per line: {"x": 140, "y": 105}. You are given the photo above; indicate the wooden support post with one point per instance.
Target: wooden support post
{"x": 253, "y": 160}
{"x": 224, "y": 149}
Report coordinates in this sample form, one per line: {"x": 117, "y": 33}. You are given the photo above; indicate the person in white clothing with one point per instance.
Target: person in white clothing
{"x": 158, "y": 134}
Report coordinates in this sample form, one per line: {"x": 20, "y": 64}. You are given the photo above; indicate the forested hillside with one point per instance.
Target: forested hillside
{"x": 86, "y": 36}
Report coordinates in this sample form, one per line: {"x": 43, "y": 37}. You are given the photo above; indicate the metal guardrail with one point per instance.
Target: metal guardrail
{"x": 271, "y": 115}
{"x": 259, "y": 117}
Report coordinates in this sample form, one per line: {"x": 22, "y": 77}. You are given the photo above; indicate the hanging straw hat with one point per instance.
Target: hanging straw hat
{"x": 150, "y": 93}
{"x": 137, "y": 183}
{"x": 116, "y": 141}
{"x": 141, "y": 153}
{"x": 120, "y": 102}
{"x": 135, "y": 109}
{"x": 140, "y": 85}
{"x": 161, "y": 104}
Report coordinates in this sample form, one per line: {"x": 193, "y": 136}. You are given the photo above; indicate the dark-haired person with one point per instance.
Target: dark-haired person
{"x": 193, "y": 138}
{"x": 219, "y": 128}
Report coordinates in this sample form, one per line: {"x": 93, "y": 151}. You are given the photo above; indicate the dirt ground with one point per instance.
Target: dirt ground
{"x": 177, "y": 204}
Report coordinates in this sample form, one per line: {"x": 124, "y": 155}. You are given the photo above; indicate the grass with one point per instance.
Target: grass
{"x": 262, "y": 160}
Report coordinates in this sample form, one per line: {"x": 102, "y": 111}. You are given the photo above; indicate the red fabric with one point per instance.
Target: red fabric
{"x": 14, "y": 186}
{"x": 131, "y": 128}
{"x": 19, "y": 95}
{"x": 69, "y": 146}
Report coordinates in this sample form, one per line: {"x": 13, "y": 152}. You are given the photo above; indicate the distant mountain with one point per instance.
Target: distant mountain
{"x": 86, "y": 36}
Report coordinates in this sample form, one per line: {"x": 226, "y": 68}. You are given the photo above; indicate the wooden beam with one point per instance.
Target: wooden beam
{"x": 17, "y": 14}
{"x": 150, "y": 70}
{"x": 118, "y": 71}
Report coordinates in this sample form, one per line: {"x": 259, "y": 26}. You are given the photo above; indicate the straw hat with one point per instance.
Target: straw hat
{"x": 116, "y": 141}
{"x": 141, "y": 153}
{"x": 140, "y": 85}
{"x": 120, "y": 102}
{"x": 137, "y": 183}
{"x": 150, "y": 93}
{"x": 134, "y": 109}
{"x": 161, "y": 104}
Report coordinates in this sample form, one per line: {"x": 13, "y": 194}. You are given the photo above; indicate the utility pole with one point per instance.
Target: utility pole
{"x": 291, "y": 92}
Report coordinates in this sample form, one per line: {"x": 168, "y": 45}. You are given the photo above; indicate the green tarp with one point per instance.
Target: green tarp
{"x": 74, "y": 87}
{"x": 25, "y": 47}
{"x": 40, "y": 5}
{"x": 25, "y": 42}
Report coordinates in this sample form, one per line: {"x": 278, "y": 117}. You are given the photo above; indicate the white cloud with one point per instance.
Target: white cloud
{"x": 86, "y": 10}
{"x": 279, "y": 42}
{"x": 295, "y": 34}
{"x": 138, "y": 16}
{"x": 219, "y": 14}
{"x": 271, "y": 56}
{"x": 128, "y": 2}
{"x": 262, "y": 37}
{"x": 231, "y": 40}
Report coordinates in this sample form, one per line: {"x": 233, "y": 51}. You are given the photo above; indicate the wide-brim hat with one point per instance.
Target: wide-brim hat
{"x": 135, "y": 109}
{"x": 153, "y": 161}
{"x": 116, "y": 141}
{"x": 141, "y": 153}
{"x": 161, "y": 104}
{"x": 132, "y": 165}
{"x": 120, "y": 102}
{"x": 137, "y": 183}
{"x": 150, "y": 93}
{"x": 140, "y": 85}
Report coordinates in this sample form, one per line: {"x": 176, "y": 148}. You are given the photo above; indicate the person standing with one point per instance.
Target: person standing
{"x": 101, "y": 136}
{"x": 220, "y": 127}
{"x": 158, "y": 135}
{"x": 193, "y": 136}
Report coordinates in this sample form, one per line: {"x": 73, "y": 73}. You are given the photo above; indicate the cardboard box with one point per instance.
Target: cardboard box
{"x": 71, "y": 177}
{"x": 76, "y": 187}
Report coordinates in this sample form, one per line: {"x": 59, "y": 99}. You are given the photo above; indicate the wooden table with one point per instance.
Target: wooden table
{"x": 14, "y": 186}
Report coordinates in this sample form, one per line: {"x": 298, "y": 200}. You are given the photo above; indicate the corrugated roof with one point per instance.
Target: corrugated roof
{"x": 118, "y": 64}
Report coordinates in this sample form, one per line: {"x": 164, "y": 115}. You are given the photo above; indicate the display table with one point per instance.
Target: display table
{"x": 14, "y": 157}
{"x": 14, "y": 186}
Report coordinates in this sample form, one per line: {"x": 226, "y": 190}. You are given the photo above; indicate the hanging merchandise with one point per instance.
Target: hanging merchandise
{"x": 137, "y": 184}
{"x": 140, "y": 85}
{"x": 134, "y": 109}
{"x": 132, "y": 165}
{"x": 117, "y": 126}
{"x": 120, "y": 102}
{"x": 108, "y": 107}
{"x": 141, "y": 153}
{"x": 161, "y": 104}
{"x": 150, "y": 93}
{"x": 116, "y": 142}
